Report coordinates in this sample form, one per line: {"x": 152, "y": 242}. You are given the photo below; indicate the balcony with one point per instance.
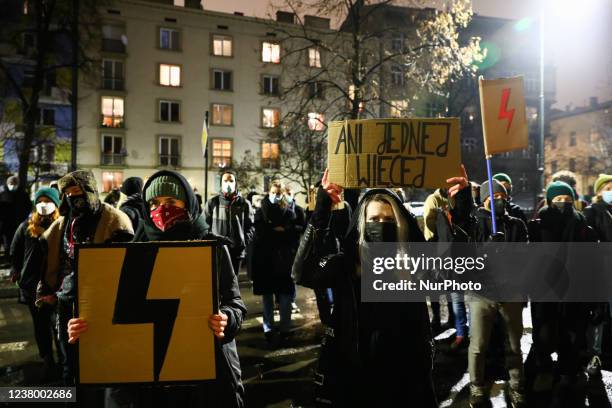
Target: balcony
{"x": 114, "y": 84}
{"x": 112, "y": 159}
{"x": 270, "y": 163}
{"x": 169, "y": 160}
{"x": 113, "y": 45}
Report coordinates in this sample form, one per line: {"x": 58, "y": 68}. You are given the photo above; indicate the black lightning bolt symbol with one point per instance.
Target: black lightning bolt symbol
{"x": 132, "y": 305}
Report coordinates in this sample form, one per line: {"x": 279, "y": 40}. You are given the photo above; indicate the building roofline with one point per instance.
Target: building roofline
{"x": 581, "y": 110}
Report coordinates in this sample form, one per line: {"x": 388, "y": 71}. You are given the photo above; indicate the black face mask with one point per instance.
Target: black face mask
{"x": 499, "y": 205}
{"x": 563, "y": 207}
{"x": 380, "y": 231}
{"x": 78, "y": 204}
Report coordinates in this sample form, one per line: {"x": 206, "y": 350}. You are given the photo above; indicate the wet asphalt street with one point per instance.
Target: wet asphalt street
{"x": 274, "y": 375}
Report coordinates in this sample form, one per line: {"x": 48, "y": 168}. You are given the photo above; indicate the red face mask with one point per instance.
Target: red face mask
{"x": 165, "y": 216}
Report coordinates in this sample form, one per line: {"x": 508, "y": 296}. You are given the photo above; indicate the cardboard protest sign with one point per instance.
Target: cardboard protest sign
{"x": 147, "y": 307}
{"x": 504, "y": 121}
{"x": 393, "y": 152}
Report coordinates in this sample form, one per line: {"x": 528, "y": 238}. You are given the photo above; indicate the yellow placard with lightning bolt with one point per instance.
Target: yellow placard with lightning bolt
{"x": 147, "y": 307}
{"x": 504, "y": 120}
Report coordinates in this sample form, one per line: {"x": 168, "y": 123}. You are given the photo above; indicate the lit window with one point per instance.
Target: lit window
{"x": 270, "y": 52}
{"x": 398, "y": 109}
{"x": 168, "y": 39}
{"x": 112, "y": 150}
{"x": 352, "y": 97}
{"x": 316, "y": 121}
{"x": 179, "y": 3}
{"x": 222, "y": 153}
{"x": 222, "y": 114}
{"x": 169, "y": 75}
{"x": 222, "y": 80}
{"x": 270, "y": 85}
{"x": 270, "y": 155}
{"x": 169, "y": 111}
{"x": 169, "y": 151}
{"x": 314, "y": 58}
{"x": 270, "y": 117}
{"x": 111, "y": 180}
{"x": 222, "y": 45}
{"x": 112, "y": 112}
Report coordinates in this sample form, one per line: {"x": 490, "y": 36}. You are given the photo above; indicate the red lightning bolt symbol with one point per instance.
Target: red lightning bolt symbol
{"x": 504, "y": 113}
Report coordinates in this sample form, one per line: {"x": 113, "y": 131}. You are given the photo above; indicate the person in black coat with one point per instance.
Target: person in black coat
{"x": 513, "y": 209}
{"x": 559, "y": 327}
{"x": 134, "y": 207}
{"x": 169, "y": 193}
{"x": 26, "y": 268}
{"x": 376, "y": 354}
{"x": 15, "y": 207}
{"x": 274, "y": 248}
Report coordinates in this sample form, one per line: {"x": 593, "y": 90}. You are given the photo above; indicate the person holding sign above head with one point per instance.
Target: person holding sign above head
{"x": 174, "y": 216}
{"x": 378, "y": 354}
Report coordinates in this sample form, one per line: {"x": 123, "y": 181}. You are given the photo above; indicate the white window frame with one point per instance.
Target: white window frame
{"x": 270, "y": 90}
{"x": 397, "y": 75}
{"x": 226, "y": 159}
{"x": 269, "y": 57}
{"x": 314, "y": 57}
{"x": 223, "y": 85}
{"x": 114, "y": 79}
{"x": 264, "y": 120}
{"x": 171, "y": 69}
{"x": 170, "y": 154}
{"x": 224, "y": 39}
{"x": 174, "y": 38}
{"x": 113, "y": 116}
{"x": 169, "y": 103}
{"x": 226, "y": 105}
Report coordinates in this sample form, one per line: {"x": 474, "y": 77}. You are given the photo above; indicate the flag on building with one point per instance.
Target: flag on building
{"x": 504, "y": 121}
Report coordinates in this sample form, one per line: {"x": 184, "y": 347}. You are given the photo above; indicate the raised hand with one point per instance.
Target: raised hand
{"x": 332, "y": 190}
{"x": 459, "y": 183}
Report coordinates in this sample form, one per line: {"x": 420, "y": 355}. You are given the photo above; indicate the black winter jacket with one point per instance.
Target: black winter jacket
{"x": 599, "y": 217}
{"x": 232, "y": 219}
{"x": 384, "y": 351}
{"x": 135, "y": 208}
{"x": 227, "y": 390}
{"x": 26, "y": 263}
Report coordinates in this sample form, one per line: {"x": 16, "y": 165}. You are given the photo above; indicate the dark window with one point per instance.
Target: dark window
{"x": 572, "y": 140}
{"x": 553, "y": 166}
{"x": 168, "y": 151}
{"x": 169, "y": 111}
{"x": 222, "y": 80}
{"x": 112, "y": 150}
{"x": 48, "y": 117}
{"x": 28, "y": 79}
{"x": 168, "y": 39}
{"x": 553, "y": 142}
{"x": 270, "y": 85}
{"x": 315, "y": 90}
{"x": 572, "y": 164}
{"x": 112, "y": 75}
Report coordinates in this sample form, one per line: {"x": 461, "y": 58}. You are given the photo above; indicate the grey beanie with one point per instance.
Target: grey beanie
{"x": 497, "y": 188}
{"x": 165, "y": 186}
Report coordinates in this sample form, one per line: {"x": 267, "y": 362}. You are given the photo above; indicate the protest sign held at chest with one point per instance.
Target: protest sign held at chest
{"x": 393, "y": 152}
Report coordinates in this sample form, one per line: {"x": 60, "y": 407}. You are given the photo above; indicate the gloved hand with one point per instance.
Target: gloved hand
{"x": 498, "y": 237}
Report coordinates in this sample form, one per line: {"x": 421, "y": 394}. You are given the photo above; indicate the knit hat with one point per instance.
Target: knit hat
{"x": 131, "y": 186}
{"x": 601, "y": 181}
{"x": 497, "y": 188}
{"x": 86, "y": 181}
{"x": 501, "y": 177}
{"x": 51, "y": 193}
{"x": 165, "y": 186}
{"x": 557, "y": 188}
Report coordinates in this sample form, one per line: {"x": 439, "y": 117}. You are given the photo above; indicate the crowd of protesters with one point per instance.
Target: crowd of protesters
{"x": 281, "y": 244}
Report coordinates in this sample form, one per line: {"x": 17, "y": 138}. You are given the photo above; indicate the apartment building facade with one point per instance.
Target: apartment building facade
{"x": 580, "y": 141}
{"x": 162, "y": 67}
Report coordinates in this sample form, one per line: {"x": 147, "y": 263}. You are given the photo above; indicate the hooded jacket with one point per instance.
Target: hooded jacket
{"x": 381, "y": 347}
{"x": 104, "y": 224}
{"x": 134, "y": 206}
{"x": 15, "y": 206}
{"x": 228, "y": 390}
{"x": 231, "y": 218}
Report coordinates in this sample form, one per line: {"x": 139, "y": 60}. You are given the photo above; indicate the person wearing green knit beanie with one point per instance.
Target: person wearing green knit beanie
{"x": 512, "y": 208}
{"x": 165, "y": 186}
{"x": 559, "y": 191}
